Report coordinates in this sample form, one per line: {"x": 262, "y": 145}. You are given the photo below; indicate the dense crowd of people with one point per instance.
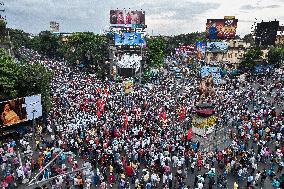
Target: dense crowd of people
{"x": 104, "y": 138}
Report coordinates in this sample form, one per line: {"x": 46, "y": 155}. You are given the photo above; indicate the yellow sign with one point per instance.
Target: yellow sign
{"x": 229, "y": 17}
{"x": 128, "y": 88}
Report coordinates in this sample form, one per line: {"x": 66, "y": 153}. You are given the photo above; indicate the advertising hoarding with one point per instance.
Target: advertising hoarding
{"x": 217, "y": 47}
{"x": 215, "y": 71}
{"x": 54, "y": 27}
{"x": 200, "y": 49}
{"x": 127, "y": 18}
{"x": 20, "y": 110}
{"x": 13, "y": 112}
{"x": 221, "y": 28}
{"x": 130, "y": 39}
{"x": 266, "y": 33}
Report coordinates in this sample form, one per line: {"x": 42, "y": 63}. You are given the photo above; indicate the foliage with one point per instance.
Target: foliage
{"x": 86, "y": 48}
{"x": 183, "y": 39}
{"x": 20, "y": 38}
{"x": 23, "y": 79}
{"x": 248, "y": 38}
{"x": 47, "y": 44}
{"x": 250, "y": 58}
{"x": 276, "y": 56}
{"x": 155, "y": 52}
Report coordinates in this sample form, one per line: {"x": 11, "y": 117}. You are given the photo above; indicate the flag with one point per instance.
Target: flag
{"x": 165, "y": 116}
{"x": 189, "y": 134}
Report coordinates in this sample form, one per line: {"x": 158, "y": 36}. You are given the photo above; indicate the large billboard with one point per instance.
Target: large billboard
{"x": 221, "y": 28}
{"x": 200, "y": 49}
{"x": 266, "y": 32}
{"x": 130, "y": 39}
{"x": 20, "y": 110}
{"x": 54, "y": 27}
{"x": 13, "y": 112}
{"x": 215, "y": 71}
{"x": 217, "y": 47}
{"x": 127, "y": 18}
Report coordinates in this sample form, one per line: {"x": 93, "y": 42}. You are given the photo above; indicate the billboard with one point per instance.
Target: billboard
{"x": 266, "y": 33}
{"x": 221, "y": 28}
{"x": 127, "y": 18}
{"x": 200, "y": 49}
{"x": 20, "y": 110}
{"x": 215, "y": 71}
{"x": 217, "y": 47}
{"x": 13, "y": 112}
{"x": 130, "y": 39}
{"x": 54, "y": 27}
{"x": 33, "y": 106}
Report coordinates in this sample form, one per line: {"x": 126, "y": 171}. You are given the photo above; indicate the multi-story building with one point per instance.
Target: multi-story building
{"x": 233, "y": 56}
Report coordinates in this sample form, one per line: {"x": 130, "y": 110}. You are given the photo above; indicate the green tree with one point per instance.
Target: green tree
{"x": 276, "y": 56}
{"x": 248, "y": 38}
{"x": 86, "y": 48}
{"x": 251, "y": 58}
{"x": 23, "y": 79}
{"x": 20, "y": 38}
{"x": 155, "y": 52}
{"x": 47, "y": 44}
{"x": 9, "y": 72}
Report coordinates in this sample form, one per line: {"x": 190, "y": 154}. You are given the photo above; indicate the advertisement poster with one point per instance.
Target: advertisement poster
{"x": 130, "y": 39}
{"x": 217, "y": 47}
{"x": 221, "y": 28}
{"x": 215, "y": 71}
{"x": 127, "y": 18}
{"x": 200, "y": 49}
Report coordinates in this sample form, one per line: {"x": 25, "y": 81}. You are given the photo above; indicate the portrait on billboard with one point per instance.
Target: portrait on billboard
{"x": 127, "y": 18}
{"x": 221, "y": 28}
{"x": 13, "y": 112}
{"x": 200, "y": 48}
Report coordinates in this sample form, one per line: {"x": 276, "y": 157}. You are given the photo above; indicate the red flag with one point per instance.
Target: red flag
{"x": 165, "y": 116}
{"x": 99, "y": 114}
{"x": 189, "y": 134}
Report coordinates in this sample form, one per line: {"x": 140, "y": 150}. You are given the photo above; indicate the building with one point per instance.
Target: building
{"x": 232, "y": 57}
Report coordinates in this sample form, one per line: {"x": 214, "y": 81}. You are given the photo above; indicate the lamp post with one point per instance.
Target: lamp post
{"x": 140, "y": 68}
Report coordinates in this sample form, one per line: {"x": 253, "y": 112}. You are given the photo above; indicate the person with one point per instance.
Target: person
{"x": 120, "y": 18}
{"x": 8, "y": 116}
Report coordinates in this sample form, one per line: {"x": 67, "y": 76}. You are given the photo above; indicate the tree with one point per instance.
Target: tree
{"x": 86, "y": 48}
{"x": 20, "y": 38}
{"x": 248, "y": 38}
{"x": 155, "y": 52}
{"x": 251, "y": 58}
{"x": 276, "y": 56}
{"x": 47, "y": 44}
{"x": 23, "y": 79}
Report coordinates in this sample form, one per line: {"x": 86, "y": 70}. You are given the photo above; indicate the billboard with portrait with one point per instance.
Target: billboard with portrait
{"x": 200, "y": 49}
{"x": 127, "y": 18}
{"x": 217, "y": 47}
{"x": 13, "y": 112}
{"x": 221, "y": 28}
{"x": 20, "y": 110}
{"x": 130, "y": 39}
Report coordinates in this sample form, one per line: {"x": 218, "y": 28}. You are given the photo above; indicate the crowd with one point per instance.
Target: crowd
{"x": 104, "y": 138}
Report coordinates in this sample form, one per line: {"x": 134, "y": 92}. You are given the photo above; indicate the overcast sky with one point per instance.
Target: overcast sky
{"x": 166, "y": 17}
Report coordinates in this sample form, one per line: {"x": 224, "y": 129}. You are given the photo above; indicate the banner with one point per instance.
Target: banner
{"x": 221, "y": 28}
{"x": 13, "y": 112}
{"x": 217, "y": 47}
{"x": 20, "y": 110}
{"x": 130, "y": 39}
{"x": 54, "y": 27}
{"x": 127, "y": 18}
{"x": 200, "y": 48}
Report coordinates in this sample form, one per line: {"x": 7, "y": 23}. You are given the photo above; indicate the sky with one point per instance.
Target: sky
{"x": 165, "y": 17}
